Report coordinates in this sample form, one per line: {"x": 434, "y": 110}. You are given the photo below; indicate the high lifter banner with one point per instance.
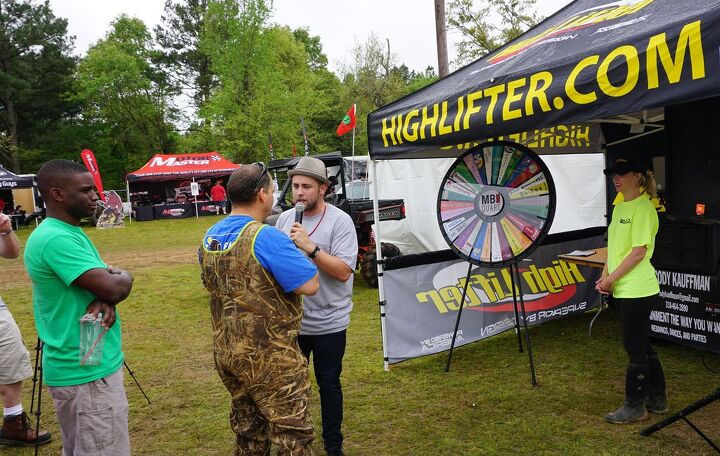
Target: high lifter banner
{"x": 422, "y": 301}
{"x": 590, "y": 60}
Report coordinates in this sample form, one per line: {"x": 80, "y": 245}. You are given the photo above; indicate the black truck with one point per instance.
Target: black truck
{"x": 352, "y": 196}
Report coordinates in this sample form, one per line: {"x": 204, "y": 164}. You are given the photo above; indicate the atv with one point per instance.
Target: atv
{"x": 352, "y": 197}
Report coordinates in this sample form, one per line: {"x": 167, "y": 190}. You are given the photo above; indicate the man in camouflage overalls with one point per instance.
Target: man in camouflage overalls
{"x": 256, "y": 278}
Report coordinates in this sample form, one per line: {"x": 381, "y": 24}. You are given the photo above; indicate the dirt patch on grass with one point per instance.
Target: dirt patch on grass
{"x": 13, "y": 272}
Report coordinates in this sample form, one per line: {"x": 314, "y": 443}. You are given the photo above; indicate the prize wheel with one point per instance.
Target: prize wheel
{"x": 496, "y": 204}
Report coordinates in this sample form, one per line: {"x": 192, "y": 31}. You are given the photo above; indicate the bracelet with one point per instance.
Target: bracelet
{"x": 315, "y": 252}
{"x": 5, "y": 233}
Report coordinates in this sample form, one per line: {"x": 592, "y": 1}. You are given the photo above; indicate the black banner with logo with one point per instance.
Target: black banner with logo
{"x": 422, "y": 300}
{"x": 170, "y": 211}
{"x": 588, "y": 61}
{"x": 685, "y": 312}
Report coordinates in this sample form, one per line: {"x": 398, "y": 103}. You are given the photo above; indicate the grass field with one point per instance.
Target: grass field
{"x": 484, "y": 406}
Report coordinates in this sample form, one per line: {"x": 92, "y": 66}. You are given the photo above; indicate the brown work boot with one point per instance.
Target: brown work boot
{"x": 17, "y": 431}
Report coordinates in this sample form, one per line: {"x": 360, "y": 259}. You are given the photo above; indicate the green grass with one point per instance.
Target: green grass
{"x": 485, "y": 405}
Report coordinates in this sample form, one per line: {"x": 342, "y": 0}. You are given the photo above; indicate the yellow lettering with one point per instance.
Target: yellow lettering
{"x": 512, "y": 97}
{"x": 551, "y": 280}
{"x": 478, "y": 279}
{"x": 388, "y": 131}
{"x": 559, "y": 272}
{"x": 458, "y": 115}
{"x": 690, "y": 36}
{"x": 534, "y": 280}
{"x": 633, "y": 66}
{"x": 562, "y": 136}
{"x": 433, "y": 296}
{"x": 572, "y": 273}
{"x": 571, "y": 90}
{"x": 426, "y": 121}
{"x": 451, "y": 296}
{"x": 474, "y": 299}
{"x": 412, "y": 137}
{"x": 493, "y": 92}
{"x": 582, "y": 134}
{"x": 444, "y": 129}
{"x": 471, "y": 108}
{"x": 537, "y": 92}
{"x": 398, "y": 133}
{"x": 496, "y": 284}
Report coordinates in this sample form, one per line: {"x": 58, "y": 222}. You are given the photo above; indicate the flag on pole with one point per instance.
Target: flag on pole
{"x": 272, "y": 157}
{"x": 270, "y": 144}
{"x": 348, "y": 122}
{"x": 91, "y": 164}
{"x": 305, "y": 136}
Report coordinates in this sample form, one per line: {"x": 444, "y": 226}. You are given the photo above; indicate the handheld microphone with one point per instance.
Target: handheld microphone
{"x": 299, "y": 211}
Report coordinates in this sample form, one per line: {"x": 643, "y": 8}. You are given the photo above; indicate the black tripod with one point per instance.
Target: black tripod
{"x": 682, "y": 415}
{"x": 37, "y": 385}
{"x": 517, "y": 293}
{"x": 37, "y": 378}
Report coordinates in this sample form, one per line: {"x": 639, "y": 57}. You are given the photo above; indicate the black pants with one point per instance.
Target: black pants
{"x": 327, "y": 354}
{"x": 644, "y": 376}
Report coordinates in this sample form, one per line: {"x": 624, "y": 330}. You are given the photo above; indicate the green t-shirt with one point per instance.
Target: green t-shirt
{"x": 634, "y": 224}
{"x": 56, "y": 254}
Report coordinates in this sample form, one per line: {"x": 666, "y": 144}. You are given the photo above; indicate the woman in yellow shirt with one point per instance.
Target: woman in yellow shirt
{"x": 631, "y": 279}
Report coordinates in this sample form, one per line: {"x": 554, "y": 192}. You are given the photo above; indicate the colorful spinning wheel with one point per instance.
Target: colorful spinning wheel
{"x": 496, "y": 204}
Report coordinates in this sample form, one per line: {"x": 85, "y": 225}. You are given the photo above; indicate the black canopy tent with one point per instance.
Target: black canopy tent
{"x": 9, "y": 180}
{"x": 15, "y": 190}
{"x": 621, "y": 64}
{"x": 650, "y": 64}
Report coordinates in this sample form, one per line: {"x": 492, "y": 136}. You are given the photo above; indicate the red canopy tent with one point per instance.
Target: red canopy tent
{"x": 168, "y": 167}
{"x": 179, "y": 167}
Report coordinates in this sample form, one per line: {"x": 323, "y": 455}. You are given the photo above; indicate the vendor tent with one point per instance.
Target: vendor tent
{"x": 614, "y": 63}
{"x": 586, "y": 62}
{"x": 180, "y": 166}
{"x": 10, "y": 180}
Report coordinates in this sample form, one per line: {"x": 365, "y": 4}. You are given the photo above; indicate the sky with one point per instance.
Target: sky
{"x": 408, "y": 24}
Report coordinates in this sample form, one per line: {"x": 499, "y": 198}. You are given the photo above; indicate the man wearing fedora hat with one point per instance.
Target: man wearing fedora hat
{"x": 327, "y": 236}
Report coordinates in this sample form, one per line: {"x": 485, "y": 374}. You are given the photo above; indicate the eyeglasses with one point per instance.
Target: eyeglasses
{"x": 263, "y": 172}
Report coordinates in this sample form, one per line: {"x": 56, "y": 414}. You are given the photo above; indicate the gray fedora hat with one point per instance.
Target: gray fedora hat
{"x": 311, "y": 167}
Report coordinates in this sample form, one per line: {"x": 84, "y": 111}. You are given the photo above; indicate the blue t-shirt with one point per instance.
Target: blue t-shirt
{"x": 272, "y": 248}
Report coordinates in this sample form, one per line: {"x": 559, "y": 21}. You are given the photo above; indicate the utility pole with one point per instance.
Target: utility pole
{"x": 441, "y": 38}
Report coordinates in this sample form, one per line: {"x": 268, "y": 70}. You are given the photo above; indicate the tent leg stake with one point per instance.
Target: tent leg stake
{"x": 457, "y": 321}
{"x": 525, "y": 324}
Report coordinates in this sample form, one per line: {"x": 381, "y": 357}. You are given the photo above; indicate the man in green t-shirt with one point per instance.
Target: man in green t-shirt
{"x": 69, "y": 280}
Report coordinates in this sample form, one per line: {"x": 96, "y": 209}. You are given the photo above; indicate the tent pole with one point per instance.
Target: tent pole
{"x": 378, "y": 257}
{"x": 352, "y": 163}
{"x": 196, "y": 209}
{"x": 127, "y": 191}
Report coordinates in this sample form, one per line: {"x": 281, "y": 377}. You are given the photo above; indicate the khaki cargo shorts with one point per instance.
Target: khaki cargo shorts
{"x": 14, "y": 357}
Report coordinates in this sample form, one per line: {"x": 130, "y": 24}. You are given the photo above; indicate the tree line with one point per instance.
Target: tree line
{"x": 213, "y": 75}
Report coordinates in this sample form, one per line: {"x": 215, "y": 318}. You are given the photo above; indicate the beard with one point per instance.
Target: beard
{"x": 309, "y": 207}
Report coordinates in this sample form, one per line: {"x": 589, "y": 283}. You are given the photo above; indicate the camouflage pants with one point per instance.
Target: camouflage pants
{"x": 270, "y": 394}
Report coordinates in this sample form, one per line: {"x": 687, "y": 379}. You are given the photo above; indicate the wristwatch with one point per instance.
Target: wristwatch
{"x": 315, "y": 252}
